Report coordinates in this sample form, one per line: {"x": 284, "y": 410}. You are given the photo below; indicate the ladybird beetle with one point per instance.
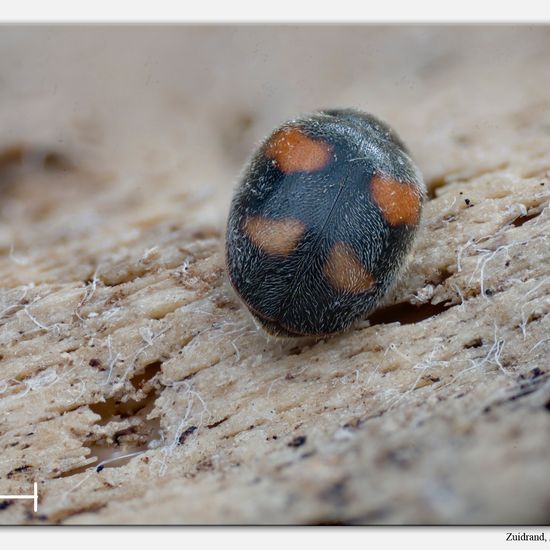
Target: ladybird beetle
{"x": 322, "y": 221}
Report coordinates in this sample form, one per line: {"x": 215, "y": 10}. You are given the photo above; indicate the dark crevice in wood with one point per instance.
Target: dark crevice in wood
{"x": 433, "y": 186}
{"x": 475, "y": 343}
{"x": 218, "y": 423}
{"x": 406, "y": 313}
{"x": 518, "y": 222}
{"x": 129, "y": 439}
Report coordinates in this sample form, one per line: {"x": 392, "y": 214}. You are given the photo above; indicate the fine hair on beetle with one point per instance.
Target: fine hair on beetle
{"x": 321, "y": 223}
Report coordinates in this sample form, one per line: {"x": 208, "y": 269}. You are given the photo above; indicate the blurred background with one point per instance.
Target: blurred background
{"x": 112, "y": 128}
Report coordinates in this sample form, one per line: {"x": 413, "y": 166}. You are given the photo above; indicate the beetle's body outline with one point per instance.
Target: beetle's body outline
{"x": 321, "y": 223}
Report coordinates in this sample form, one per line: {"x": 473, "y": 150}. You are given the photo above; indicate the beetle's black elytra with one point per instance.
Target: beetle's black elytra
{"x": 322, "y": 221}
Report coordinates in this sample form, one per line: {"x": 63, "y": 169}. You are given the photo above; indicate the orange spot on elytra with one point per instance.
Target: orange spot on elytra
{"x": 344, "y": 270}
{"x": 399, "y": 202}
{"x": 293, "y": 151}
{"x": 274, "y": 236}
